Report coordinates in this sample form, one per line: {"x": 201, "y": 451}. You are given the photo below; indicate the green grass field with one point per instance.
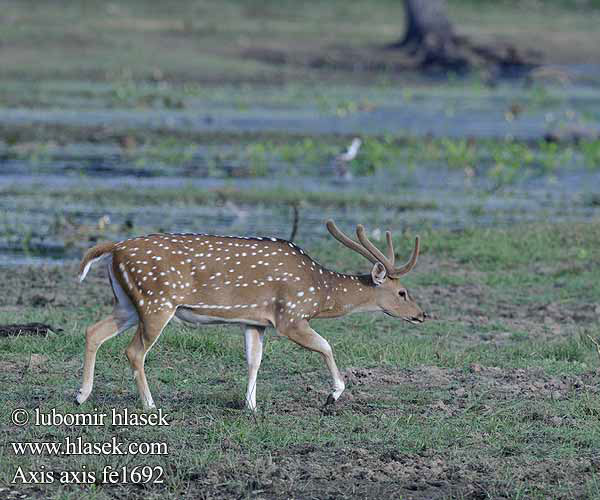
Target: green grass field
{"x": 497, "y": 396}
{"x": 266, "y": 42}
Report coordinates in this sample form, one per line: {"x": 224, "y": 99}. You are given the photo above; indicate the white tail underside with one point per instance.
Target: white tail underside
{"x": 102, "y": 257}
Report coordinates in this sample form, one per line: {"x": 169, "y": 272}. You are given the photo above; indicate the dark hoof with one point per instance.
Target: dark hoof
{"x": 77, "y": 397}
{"x": 330, "y": 400}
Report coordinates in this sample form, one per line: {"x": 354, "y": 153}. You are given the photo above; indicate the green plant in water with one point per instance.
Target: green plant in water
{"x": 256, "y": 155}
{"x": 505, "y": 172}
{"x": 125, "y": 91}
{"x": 345, "y": 108}
{"x": 374, "y": 155}
{"x": 459, "y": 153}
{"x": 216, "y": 163}
{"x": 511, "y": 161}
{"x": 308, "y": 151}
{"x": 26, "y": 242}
{"x": 171, "y": 152}
{"x": 541, "y": 98}
{"x": 549, "y": 155}
{"x": 591, "y": 153}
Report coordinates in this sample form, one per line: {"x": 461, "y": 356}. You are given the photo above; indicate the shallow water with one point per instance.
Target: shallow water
{"x": 36, "y": 228}
{"x": 413, "y": 119}
{"x": 456, "y": 109}
{"x": 459, "y": 202}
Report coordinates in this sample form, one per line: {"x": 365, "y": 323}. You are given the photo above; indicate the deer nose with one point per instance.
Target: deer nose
{"x": 420, "y": 318}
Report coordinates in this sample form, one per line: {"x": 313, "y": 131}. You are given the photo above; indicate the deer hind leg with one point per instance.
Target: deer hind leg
{"x": 254, "y": 337}
{"x": 145, "y": 337}
{"x": 95, "y": 336}
{"x": 302, "y": 334}
{"x": 124, "y": 316}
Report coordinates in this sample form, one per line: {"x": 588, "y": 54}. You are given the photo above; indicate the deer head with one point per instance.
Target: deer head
{"x": 391, "y": 296}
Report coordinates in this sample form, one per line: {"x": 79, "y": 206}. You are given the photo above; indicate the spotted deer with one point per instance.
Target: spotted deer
{"x": 255, "y": 282}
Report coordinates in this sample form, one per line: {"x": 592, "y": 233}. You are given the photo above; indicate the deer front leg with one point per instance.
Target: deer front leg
{"x": 254, "y": 337}
{"x": 302, "y": 334}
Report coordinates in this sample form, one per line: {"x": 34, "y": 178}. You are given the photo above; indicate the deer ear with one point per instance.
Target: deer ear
{"x": 378, "y": 273}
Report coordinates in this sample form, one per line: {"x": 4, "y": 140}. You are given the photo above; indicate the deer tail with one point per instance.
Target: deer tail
{"x": 95, "y": 254}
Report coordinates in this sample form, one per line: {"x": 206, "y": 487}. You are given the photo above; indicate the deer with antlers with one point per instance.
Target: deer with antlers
{"x": 255, "y": 282}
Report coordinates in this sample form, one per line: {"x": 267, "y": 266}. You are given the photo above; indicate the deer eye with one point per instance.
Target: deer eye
{"x": 403, "y": 294}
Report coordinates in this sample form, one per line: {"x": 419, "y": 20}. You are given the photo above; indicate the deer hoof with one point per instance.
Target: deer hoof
{"x": 330, "y": 400}
{"x": 80, "y": 398}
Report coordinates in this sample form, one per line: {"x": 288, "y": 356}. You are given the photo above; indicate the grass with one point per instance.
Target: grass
{"x": 508, "y": 400}
{"x": 192, "y": 196}
{"x": 270, "y": 41}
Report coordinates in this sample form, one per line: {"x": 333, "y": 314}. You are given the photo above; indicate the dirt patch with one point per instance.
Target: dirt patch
{"x": 53, "y": 286}
{"x": 313, "y": 472}
{"x": 373, "y": 470}
{"x": 39, "y": 329}
{"x": 7, "y": 367}
{"x": 431, "y": 390}
{"x": 478, "y": 305}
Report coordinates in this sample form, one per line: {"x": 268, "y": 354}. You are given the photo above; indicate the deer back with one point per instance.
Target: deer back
{"x": 261, "y": 280}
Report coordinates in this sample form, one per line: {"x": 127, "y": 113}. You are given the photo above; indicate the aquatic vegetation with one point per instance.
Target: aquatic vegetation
{"x": 32, "y": 152}
{"x": 307, "y": 151}
{"x": 591, "y": 153}
{"x": 459, "y": 153}
{"x": 167, "y": 151}
{"x": 257, "y": 157}
{"x": 280, "y": 155}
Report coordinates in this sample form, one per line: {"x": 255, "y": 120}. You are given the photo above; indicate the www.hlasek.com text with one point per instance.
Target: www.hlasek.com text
{"x": 79, "y": 446}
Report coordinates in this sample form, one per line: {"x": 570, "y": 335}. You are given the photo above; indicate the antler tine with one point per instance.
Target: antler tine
{"x": 412, "y": 261}
{"x": 390, "y": 245}
{"x": 360, "y": 232}
{"x": 349, "y": 242}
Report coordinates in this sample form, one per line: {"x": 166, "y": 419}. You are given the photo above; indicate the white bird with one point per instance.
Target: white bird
{"x": 340, "y": 162}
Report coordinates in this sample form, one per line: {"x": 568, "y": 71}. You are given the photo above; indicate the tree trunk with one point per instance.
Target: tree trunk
{"x": 431, "y": 38}
{"x": 430, "y": 35}
{"x": 424, "y": 18}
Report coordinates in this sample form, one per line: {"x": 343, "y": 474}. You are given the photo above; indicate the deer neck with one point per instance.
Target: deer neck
{"x": 346, "y": 293}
